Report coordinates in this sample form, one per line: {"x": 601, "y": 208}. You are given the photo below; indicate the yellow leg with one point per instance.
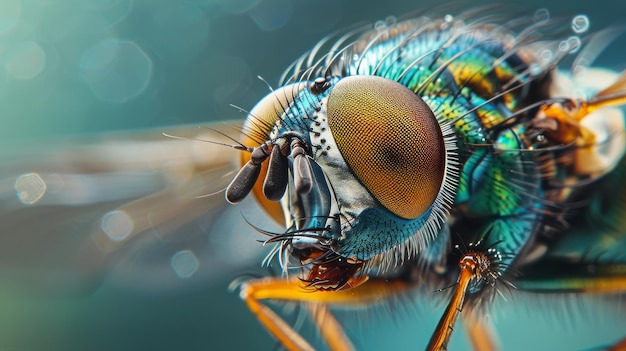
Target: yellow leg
{"x": 472, "y": 265}
{"x": 620, "y": 346}
{"x": 288, "y": 337}
{"x": 443, "y": 332}
{"x": 480, "y": 333}
{"x": 254, "y": 291}
{"x": 331, "y": 329}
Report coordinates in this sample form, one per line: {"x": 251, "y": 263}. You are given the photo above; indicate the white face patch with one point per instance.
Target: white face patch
{"x": 352, "y": 197}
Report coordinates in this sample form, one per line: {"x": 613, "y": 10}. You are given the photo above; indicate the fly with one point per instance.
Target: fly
{"x": 452, "y": 153}
{"x": 452, "y": 159}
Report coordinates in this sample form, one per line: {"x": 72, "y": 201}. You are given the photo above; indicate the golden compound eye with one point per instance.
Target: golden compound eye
{"x": 391, "y": 140}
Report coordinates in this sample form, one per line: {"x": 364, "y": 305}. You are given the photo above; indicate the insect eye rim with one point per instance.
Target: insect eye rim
{"x": 389, "y": 94}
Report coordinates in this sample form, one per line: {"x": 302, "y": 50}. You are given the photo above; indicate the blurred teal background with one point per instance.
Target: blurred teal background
{"x": 82, "y": 67}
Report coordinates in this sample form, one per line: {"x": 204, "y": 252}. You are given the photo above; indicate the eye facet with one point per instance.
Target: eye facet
{"x": 391, "y": 140}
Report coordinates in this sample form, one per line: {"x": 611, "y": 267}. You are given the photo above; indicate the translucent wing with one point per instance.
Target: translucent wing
{"x": 143, "y": 210}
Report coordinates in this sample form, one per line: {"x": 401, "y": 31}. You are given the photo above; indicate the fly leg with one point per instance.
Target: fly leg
{"x": 619, "y": 346}
{"x": 472, "y": 265}
{"x": 318, "y": 302}
{"x": 480, "y": 332}
{"x": 254, "y": 291}
{"x": 331, "y": 329}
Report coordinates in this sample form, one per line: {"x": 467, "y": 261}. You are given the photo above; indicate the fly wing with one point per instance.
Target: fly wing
{"x": 142, "y": 209}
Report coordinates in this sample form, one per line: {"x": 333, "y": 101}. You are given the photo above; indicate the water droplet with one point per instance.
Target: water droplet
{"x": 448, "y": 18}
{"x": 30, "y": 188}
{"x": 564, "y": 46}
{"x": 574, "y": 44}
{"x": 184, "y": 263}
{"x": 580, "y": 24}
{"x": 380, "y": 25}
{"x": 117, "y": 225}
{"x": 390, "y": 20}
{"x": 535, "y": 69}
{"x": 541, "y": 15}
{"x": 546, "y": 56}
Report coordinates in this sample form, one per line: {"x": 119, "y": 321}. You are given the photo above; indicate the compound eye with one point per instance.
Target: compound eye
{"x": 391, "y": 140}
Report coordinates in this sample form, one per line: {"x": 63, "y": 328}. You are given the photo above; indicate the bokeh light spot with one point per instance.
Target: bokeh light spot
{"x": 30, "y": 188}
{"x": 116, "y": 70}
{"x": 113, "y": 11}
{"x": 271, "y": 15}
{"x": 117, "y": 225}
{"x": 184, "y": 263}
{"x": 574, "y": 44}
{"x": 239, "y": 6}
{"x": 580, "y": 24}
{"x": 541, "y": 16}
{"x": 25, "y": 60}
{"x": 10, "y": 12}
{"x": 234, "y": 76}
